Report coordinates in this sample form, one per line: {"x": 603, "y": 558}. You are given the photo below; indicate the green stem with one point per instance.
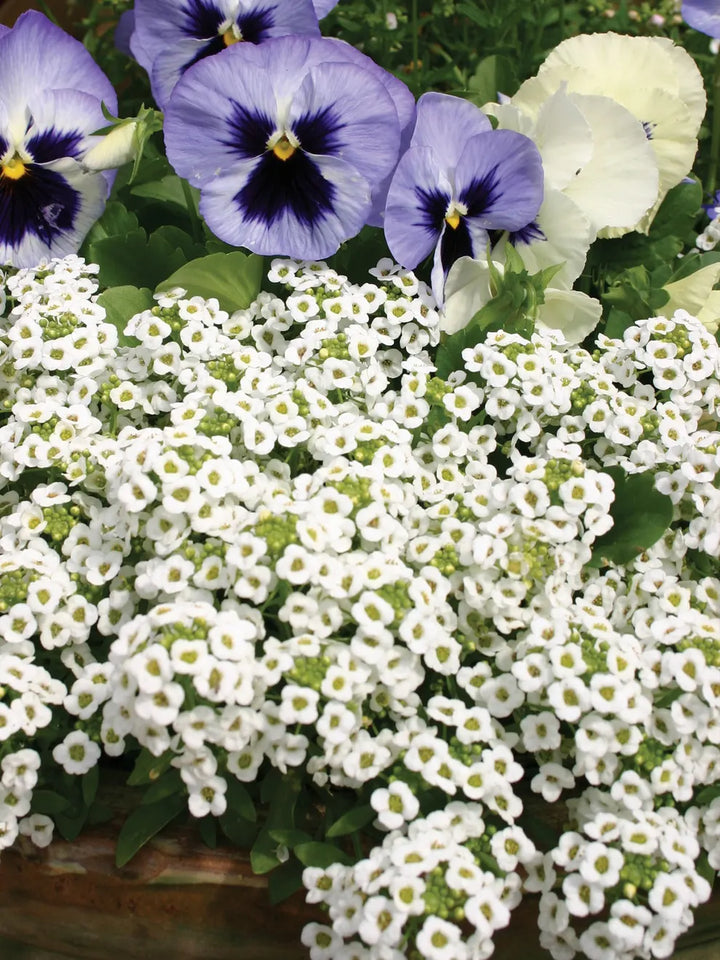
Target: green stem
{"x": 715, "y": 137}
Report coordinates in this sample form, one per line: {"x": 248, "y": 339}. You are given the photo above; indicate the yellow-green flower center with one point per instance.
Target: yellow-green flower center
{"x": 13, "y": 168}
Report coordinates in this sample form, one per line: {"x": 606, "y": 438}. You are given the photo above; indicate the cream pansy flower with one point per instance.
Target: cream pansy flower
{"x": 597, "y": 158}
{"x": 468, "y": 289}
{"x": 657, "y": 81}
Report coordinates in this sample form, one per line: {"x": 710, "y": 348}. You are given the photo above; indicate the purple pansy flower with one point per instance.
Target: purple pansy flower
{"x": 171, "y": 35}
{"x": 285, "y": 141}
{"x": 458, "y": 180}
{"x": 702, "y": 15}
{"x": 50, "y": 103}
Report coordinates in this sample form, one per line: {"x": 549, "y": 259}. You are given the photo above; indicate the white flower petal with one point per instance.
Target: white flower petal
{"x": 568, "y": 235}
{"x": 573, "y": 313}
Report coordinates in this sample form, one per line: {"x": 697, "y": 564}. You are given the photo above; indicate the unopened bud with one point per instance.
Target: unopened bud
{"x": 114, "y": 149}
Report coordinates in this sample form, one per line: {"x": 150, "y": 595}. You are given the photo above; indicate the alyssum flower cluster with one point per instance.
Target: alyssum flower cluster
{"x": 278, "y": 539}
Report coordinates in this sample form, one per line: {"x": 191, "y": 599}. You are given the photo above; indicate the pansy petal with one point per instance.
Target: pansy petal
{"x": 564, "y": 138}
{"x": 323, "y": 7}
{"x": 560, "y": 234}
{"x": 124, "y": 31}
{"x": 36, "y": 55}
{"x": 284, "y": 221}
{"x": 62, "y": 124}
{"x": 418, "y": 199}
{"x": 440, "y": 118}
{"x": 621, "y": 180}
{"x": 691, "y": 292}
{"x": 702, "y": 15}
{"x": 467, "y": 290}
{"x": 48, "y": 211}
{"x": 334, "y": 50}
{"x": 222, "y": 111}
{"x": 499, "y": 177}
{"x": 171, "y": 63}
{"x": 627, "y": 69}
{"x": 341, "y": 110}
{"x": 573, "y": 313}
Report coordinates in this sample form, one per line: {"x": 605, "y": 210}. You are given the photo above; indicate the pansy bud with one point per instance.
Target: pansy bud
{"x": 114, "y": 149}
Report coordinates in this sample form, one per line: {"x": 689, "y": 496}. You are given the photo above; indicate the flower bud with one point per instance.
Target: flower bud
{"x": 114, "y": 149}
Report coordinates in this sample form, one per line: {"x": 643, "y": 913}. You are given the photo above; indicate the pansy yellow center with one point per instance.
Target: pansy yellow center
{"x": 283, "y": 148}
{"x": 230, "y": 31}
{"x": 13, "y": 168}
{"x": 454, "y": 214}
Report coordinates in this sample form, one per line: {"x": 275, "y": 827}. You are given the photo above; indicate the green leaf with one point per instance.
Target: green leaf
{"x": 143, "y": 824}
{"x": 707, "y": 794}
{"x": 239, "y": 800}
{"x": 495, "y": 74}
{"x": 702, "y": 865}
{"x": 316, "y": 854}
{"x": 641, "y": 515}
{"x": 290, "y": 838}
{"x": 121, "y": 304}
{"x": 285, "y": 881}
{"x": 263, "y": 855}
{"x": 233, "y": 278}
{"x": 239, "y": 831}
{"x": 208, "y": 831}
{"x": 351, "y": 821}
{"x": 116, "y": 221}
{"x": 89, "y": 785}
{"x": 148, "y": 767}
{"x": 71, "y": 823}
{"x": 168, "y": 189}
{"x": 49, "y": 803}
{"x": 166, "y": 785}
{"x": 135, "y": 259}
{"x": 678, "y": 211}
{"x": 282, "y": 791}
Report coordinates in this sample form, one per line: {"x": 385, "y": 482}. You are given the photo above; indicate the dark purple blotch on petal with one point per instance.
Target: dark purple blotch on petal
{"x": 54, "y": 144}
{"x": 41, "y": 202}
{"x": 201, "y": 20}
{"x": 481, "y": 193}
{"x": 318, "y": 132}
{"x": 276, "y": 186}
{"x": 255, "y": 26}
{"x": 527, "y": 234}
{"x": 205, "y": 22}
{"x": 433, "y": 206}
{"x": 250, "y": 131}
{"x": 455, "y": 243}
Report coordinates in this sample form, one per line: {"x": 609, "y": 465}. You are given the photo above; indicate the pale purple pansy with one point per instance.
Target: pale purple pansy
{"x": 51, "y": 92}
{"x": 458, "y": 180}
{"x": 169, "y": 36}
{"x": 286, "y": 141}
